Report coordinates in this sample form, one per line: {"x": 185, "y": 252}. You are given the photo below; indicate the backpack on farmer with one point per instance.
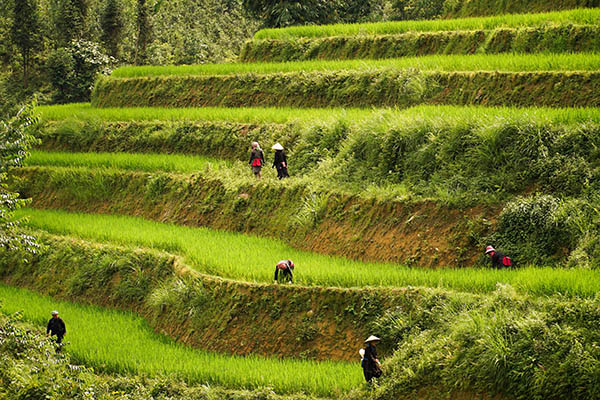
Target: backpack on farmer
{"x": 257, "y": 162}
{"x": 506, "y": 261}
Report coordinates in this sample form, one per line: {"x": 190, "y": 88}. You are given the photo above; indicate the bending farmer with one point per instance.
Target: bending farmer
{"x": 56, "y": 326}
{"x": 286, "y": 267}
{"x": 499, "y": 260}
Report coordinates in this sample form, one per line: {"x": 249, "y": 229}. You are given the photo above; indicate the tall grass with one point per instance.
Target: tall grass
{"x": 476, "y": 62}
{"x": 578, "y": 16}
{"x": 136, "y": 162}
{"x": 257, "y": 115}
{"x": 251, "y": 258}
{"x": 120, "y": 342}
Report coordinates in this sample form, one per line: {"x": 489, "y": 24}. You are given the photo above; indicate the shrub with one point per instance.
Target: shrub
{"x": 533, "y": 230}
{"x": 73, "y": 70}
{"x": 418, "y": 9}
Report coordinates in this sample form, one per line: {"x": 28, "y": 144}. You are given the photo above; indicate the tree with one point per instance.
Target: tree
{"x": 25, "y": 33}
{"x": 73, "y": 70}
{"x": 280, "y": 13}
{"x": 15, "y": 142}
{"x": 144, "y": 32}
{"x": 69, "y": 20}
{"x": 112, "y": 24}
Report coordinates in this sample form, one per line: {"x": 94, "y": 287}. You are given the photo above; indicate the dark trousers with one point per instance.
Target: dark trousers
{"x": 287, "y": 273}
{"x": 282, "y": 172}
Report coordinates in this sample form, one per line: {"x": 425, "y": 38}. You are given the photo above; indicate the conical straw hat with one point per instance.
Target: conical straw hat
{"x": 372, "y": 339}
{"x": 277, "y": 146}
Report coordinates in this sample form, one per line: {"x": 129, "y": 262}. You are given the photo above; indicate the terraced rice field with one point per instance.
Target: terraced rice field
{"x": 259, "y": 115}
{"x": 578, "y": 16}
{"x": 251, "y": 258}
{"x": 448, "y": 63}
{"x": 134, "y": 162}
{"x": 120, "y": 342}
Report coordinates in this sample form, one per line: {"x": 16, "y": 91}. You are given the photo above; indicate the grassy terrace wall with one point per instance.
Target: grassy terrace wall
{"x": 469, "y": 8}
{"x": 219, "y": 139}
{"x": 556, "y": 39}
{"x": 334, "y": 226}
{"x": 354, "y": 89}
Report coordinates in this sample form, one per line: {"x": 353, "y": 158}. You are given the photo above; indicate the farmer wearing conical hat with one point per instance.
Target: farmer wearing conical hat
{"x": 370, "y": 364}
{"x": 56, "y": 326}
{"x": 280, "y": 161}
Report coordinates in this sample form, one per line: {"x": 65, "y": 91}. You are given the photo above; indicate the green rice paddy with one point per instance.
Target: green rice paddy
{"x": 448, "y": 63}
{"x": 251, "y": 258}
{"x": 257, "y": 115}
{"x": 121, "y": 342}
{"x": 126, "y": 161}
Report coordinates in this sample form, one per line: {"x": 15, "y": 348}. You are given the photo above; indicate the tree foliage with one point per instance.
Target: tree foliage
{"x": 72, "y": 70}
{"x": 144, "y": 32}
{"x": 25, "y": 32}
{"x": 15, "y": 143}
{"x": 69, "y": 20}
{"x": 418, "y": 9}
{"x": 280, "y": 13}
{"x": 112, "y": 24}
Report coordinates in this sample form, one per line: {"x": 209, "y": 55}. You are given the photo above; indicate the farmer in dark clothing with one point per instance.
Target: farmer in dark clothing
{"x": 286, "y": 267}
{"x": 257, "y": 159}
{"x": 370, "y": 363}
{"x": 280, "y": 162}
{"x": 56, "y": 326}
{"x": 499, "y": 260}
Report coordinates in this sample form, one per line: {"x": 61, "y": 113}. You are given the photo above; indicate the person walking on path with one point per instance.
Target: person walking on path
{"x": 280, "y": 161}
{"x": 499, "y": 260}
{"x": 370, "y": 363}
{"x": 286, "y": 267}
{"x": 257, "y": 159}
{"x": 56, "y": 326}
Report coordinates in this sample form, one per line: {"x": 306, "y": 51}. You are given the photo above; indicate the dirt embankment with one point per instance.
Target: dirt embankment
{"x": 420, "y": 233}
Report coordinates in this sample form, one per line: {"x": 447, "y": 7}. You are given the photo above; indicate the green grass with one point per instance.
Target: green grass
{"x": 578, "y": 16}
{"x": 136, "y": 162}
{"x": 271, "y": 115}
{"x": 120, "y": 342}
{"x": 251, "y": 258}
{"x": 477, "y": 62}
{"x": 85, "y": 112}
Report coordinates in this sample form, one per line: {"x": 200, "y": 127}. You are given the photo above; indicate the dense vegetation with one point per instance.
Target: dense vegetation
{"x": 67, "y": 43}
